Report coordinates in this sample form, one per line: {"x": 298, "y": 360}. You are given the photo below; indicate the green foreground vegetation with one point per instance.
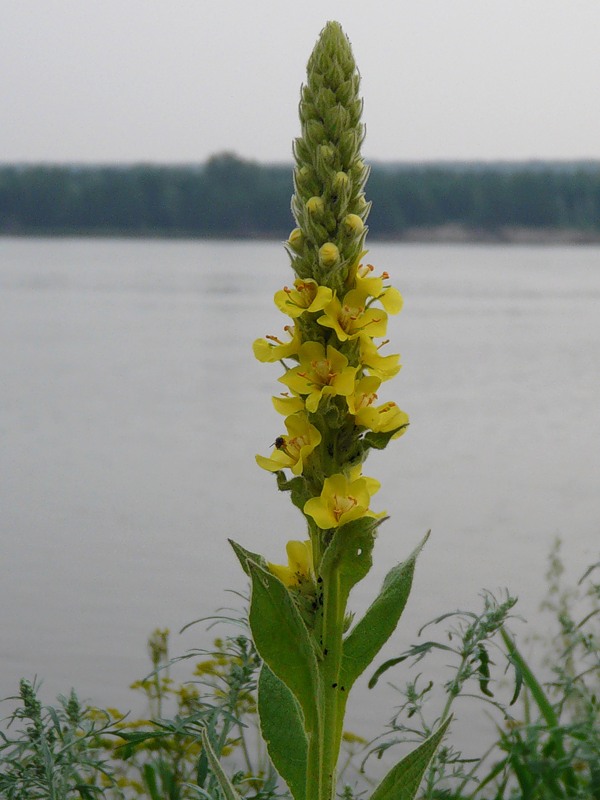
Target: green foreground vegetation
{"x": 547, "y": 741}
{"x": 232, "y": 197}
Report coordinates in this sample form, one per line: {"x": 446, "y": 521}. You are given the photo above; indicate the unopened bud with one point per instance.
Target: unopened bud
{"x": 315, "y": 205}
{"x": 329, "y": 255}
{"x": 354, "y": 223}
{"x": 341, "y": 181}
{"x": 326, "y": 153}
{"x": 296, "y": 240}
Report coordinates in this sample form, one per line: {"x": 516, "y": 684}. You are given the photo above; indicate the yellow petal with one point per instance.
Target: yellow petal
{"x": 285, "y": 574}
{"x": 276, "y": 462}
{"x": 318, "y": 510}
{"x": 300, "y": 564}
{"x": 344, "y": 383}
{"x": 287, "y": 405}
{"x": 391, "y": 300}
{"x": 300, "y": 556}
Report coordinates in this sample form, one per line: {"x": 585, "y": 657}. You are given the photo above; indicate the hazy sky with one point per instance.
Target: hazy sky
{"x": 180, "y": 80}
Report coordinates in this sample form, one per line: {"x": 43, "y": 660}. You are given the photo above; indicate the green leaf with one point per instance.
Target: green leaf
{"x": 545, "y": 706}
{"x": 133, "y": 739}
{"x": 379, "y": 441}
{"x": 369, "y": 635}
{"x": 417, "y": 651}
{"x": 484, "y": 671}
{"x": 348, "y": 557}
{"x": 229, "y": 792}
{"x": 245, "y": 555}
{"x": 282, "y": 639}
{"x": 283, "y": 731}
{"x": 300, "y": 492}
{"x": 402, "y": 781}
{"x": 150, "y": 781}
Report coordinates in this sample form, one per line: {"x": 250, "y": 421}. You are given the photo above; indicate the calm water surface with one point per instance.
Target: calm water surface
{"x": 131, "y": 409}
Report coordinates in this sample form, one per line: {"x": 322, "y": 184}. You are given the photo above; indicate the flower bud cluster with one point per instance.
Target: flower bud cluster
{"x": 338, "y": 311}
{"x": 329, "y": 178}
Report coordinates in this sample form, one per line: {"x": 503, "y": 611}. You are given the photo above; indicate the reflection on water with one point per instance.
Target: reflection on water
{"x": 131, "y": 409}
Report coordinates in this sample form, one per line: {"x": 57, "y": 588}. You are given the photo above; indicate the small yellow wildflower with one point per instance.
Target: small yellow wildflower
{"x": 383, "y": 419}
{"x": 353, "y": 738}
{"x": 383, "y": 367}
{"x": 292, "y": 450}
{"x": 365, "y": 394}
{"x": 320, "y": 373}
{"x": 306, "y": 296}
{"x": 273, "y": 349}
{"x": 389, "y": 297}
{"x": 300, "y": 564}
{"x": 351, "y": 318}
{"x": 341, "y": 501}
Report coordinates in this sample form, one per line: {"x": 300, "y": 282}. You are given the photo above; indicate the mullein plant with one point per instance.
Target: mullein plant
{"x": 337, "y": 309}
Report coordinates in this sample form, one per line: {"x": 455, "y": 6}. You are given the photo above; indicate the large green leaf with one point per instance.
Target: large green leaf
{"x": 402, "y": 781}
{"x": 369, "y": 635}
{"x": 282, "y": 639}
{"x": 283, "y": 731}
{"x": 245, "y": 555}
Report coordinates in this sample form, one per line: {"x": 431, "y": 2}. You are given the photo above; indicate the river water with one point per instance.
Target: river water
{"x": 131, "y": 409}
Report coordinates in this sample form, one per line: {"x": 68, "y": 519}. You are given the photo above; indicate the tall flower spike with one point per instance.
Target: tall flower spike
{"x": 329, "y": 204}
{"x": 339, "y": 311}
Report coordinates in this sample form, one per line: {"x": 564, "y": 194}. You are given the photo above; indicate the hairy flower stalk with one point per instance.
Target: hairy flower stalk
{"x": 338, "y": 306}
{"x": 337, "y": 310}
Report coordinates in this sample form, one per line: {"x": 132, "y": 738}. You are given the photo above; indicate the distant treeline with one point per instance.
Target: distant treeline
{"x": 232, "y": 197}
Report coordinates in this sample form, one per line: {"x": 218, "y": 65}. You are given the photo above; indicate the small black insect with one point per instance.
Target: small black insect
{"x": 279, "y": 443}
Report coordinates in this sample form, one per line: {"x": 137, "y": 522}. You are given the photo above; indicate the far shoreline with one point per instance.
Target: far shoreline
{"x": 446, "y": 234}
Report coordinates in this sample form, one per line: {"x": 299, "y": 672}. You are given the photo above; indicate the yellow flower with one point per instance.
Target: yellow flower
{"x": 300, "y": 564}
{"x": 365, "y": 394}
{"x": 373, "y": 485}
{"x": 292, "y": 450}
{"x": 383, "y": 367}
{"x": 273, "y": 349}
{"x": 342, "y": 500}
{"x": 307, "y": 296}
{"x": 352, "y": 318}
{"x": 383, "y": 419}
{"x": 389, "y": 297}
{"x": 320, "y": 373}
